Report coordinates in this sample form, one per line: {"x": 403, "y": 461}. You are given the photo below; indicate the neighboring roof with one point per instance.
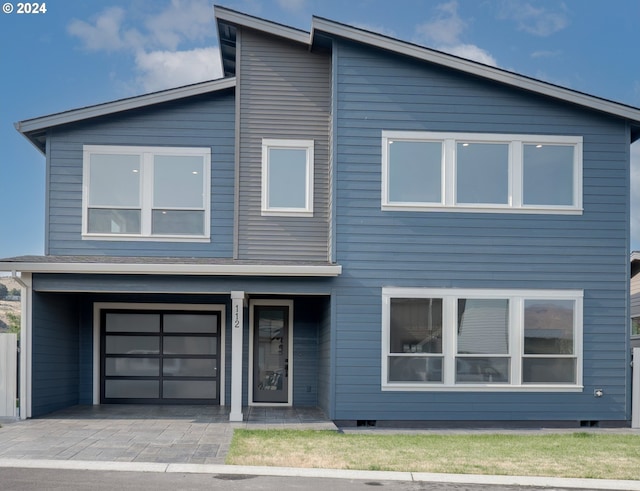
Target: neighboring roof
{"x": 635, "y": 263}
{"x": 34, "y": 129}
{"x": 166, "y": 266}
{"x": 324, "y": 29}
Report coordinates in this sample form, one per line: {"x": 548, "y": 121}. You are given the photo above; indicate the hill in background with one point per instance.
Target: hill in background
{"x": 6, "y": 306}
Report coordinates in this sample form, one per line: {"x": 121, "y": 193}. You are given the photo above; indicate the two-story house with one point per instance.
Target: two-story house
{"x": 345, "y": 220}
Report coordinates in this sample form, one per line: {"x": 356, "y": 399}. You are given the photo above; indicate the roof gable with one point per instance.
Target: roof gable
{"x": 35, "y": 129}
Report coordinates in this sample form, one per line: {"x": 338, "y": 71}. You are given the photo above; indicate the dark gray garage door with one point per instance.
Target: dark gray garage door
{"x": 160, "y": 357}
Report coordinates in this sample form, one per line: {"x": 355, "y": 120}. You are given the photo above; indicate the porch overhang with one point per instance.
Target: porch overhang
{"x": 167, "y": 266}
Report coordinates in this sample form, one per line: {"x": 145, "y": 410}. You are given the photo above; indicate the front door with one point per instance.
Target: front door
{"x": 271, "y": 353}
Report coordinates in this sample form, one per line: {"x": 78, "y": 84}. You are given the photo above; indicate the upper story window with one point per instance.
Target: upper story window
{"x": 156, "y": 193}
{"x": 287, "y": 177}
{"x": 461, "y": 339}
{"x": 427, "y": 171}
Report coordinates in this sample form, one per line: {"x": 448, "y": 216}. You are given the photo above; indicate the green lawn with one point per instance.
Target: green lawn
{"x": 582, "y": 455}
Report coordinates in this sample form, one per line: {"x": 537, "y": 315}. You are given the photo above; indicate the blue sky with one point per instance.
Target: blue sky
{"x": 81, "y": 53}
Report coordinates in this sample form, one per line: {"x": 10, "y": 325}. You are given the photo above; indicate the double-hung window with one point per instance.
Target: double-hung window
{"x": 287, "y": 177}
{"x": 152, "y": 193}
{"x": 459, "y": 339}
{"x": 429, "y": 171}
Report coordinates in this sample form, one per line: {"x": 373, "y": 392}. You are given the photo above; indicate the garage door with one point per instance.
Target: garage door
{"x": 167, "y": 357}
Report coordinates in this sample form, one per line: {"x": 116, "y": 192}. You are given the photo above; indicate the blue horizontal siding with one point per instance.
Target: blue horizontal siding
{"x": 206, "y": 121}
{"x": 376, "y": 91}
{"x": 55, "y": 353}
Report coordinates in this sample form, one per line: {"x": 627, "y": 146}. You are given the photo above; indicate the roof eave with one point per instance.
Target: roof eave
{"x": 280, "y": 30}
{"x": 474, "y": 68}
{"x": 289, "y": 270}
{"x": 30, "y": 127}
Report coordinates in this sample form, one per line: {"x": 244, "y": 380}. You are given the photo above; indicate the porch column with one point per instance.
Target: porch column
{"x": 237, "y": 326}
{"x": 25, "y": 343}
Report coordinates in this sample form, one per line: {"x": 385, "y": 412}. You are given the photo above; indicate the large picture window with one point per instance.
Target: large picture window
{"x": 158, "y": 193}
{"x": 427, "y": 171}
{"x": 458, "y": 339}
{"x": 287, "y": 177}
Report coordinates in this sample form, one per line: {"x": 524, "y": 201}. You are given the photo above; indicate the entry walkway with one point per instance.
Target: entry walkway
{"x": 137, "y": 433}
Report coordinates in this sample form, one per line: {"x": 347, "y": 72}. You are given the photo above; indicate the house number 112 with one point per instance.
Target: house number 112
{"x": 236, "y": 317}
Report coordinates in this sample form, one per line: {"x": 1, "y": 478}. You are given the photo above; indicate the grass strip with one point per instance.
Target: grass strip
{"x": 579, "y": 455}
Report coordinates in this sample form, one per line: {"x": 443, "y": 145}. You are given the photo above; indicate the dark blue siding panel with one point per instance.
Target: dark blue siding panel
{"x": 325, "y": 361}
{"x": 374, "y": 92}
{"x": 55, "y": 352}
{"x": 206, "y": 121}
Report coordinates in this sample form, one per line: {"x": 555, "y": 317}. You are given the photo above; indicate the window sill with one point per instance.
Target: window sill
{"x": 275, "y": 213}
{"x": 419, "y": 387}
{"x": 141, "y": 238}
{"x": 550, "y": 210}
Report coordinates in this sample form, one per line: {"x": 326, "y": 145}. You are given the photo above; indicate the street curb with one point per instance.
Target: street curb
{"x": 545, "y": 482}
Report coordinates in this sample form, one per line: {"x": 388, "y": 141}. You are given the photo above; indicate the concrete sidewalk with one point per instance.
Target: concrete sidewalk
{"x": 195, "y": 439}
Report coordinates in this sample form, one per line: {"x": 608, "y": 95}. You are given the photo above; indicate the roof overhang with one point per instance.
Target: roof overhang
{"x": 323, "y": 27}
{"x": 165, "y": 266}
{"x": 35, "y": 129}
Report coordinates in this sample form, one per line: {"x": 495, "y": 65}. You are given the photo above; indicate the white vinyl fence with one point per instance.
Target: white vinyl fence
{"x": 8, "y": 373}
{"x": 635, "y": 390}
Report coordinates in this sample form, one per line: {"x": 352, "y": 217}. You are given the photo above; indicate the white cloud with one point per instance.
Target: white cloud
{"x": 164, "y": 69}
{"x": 154, "y": 43}
{"x": 538, "y": 21}
{"x": 446, "y": 28}
{"x": 472, "y": 52}
{"x": 104, "y": 34}
{"x": 635, "y": 196}
{"x": 183, "y": 19}
{"x": 445, "y": 31}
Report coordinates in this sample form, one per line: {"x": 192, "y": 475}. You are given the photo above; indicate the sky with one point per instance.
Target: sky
{"x": 75, "y": 53}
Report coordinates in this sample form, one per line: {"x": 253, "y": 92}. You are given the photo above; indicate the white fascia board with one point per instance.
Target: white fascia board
{"x": 176, "y": 269}
{"x": 258, "y": 24}
{"x": 474, "y": 68}
{"x": 635, "y": 256}
{"x": 107, "y": 108}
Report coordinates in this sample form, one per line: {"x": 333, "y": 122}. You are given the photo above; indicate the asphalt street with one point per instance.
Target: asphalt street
{"x": 20, "y": 479}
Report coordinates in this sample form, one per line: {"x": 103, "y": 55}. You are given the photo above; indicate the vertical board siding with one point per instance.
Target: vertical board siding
{"x": 376, "y": 92}
{"x": 204, "y": 121}
{"x": 55, "y": 352}
{"x": 284, "y": 93}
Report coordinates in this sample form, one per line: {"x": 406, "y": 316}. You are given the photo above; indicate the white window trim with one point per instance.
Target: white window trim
{"x": 516, "y": 338}
{"x": 515, "y": 202}
{"x": 308, "y": 145}
{"x": 146, "y": 191}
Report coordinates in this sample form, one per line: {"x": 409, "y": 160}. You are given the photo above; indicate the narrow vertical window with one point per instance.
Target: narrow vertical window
{"x": 287, "y": 177}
